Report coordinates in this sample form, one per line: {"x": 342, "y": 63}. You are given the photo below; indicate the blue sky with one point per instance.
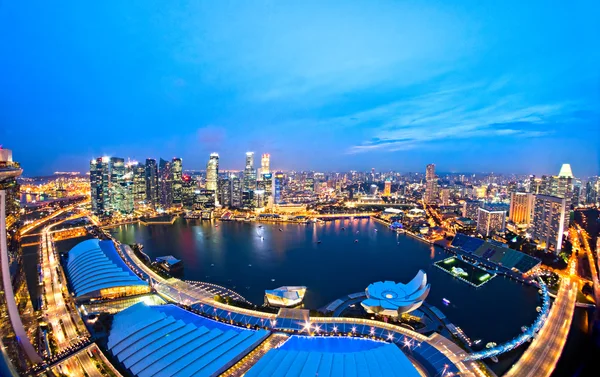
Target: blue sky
{"x": 503, "y": 86}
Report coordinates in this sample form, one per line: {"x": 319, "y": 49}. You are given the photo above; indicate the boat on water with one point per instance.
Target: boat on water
{"x": 355, "y": 241}
{"x": 281, "y": 230}
{"x": 446, "y": 301}
{"x": 319, "y": 241}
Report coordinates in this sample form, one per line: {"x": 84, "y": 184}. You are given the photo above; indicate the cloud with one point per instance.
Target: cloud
{"x": 461, "y": 112}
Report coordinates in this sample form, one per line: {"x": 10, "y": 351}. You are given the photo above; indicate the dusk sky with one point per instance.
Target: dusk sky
{"x": 502, "y": 86}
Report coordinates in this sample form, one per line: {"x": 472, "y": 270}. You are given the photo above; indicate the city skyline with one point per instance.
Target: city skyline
{"x": 473, "y": 87}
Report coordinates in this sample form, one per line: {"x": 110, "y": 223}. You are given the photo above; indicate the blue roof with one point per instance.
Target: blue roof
{"x": 150, "y": 341}
{"x": 318, "y": 359}
{"x": 467, "y": 243}
{"x": 93, "y": 265}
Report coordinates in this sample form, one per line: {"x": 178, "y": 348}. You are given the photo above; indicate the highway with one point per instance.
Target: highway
{"x": 80, "y": 363}
{"x": 584, "y": 237}
{"x": 55, "y": 309}
{"x": 539, "y": 360}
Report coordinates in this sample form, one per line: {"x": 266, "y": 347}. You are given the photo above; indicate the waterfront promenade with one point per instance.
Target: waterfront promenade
{"x": 438, "y": 352}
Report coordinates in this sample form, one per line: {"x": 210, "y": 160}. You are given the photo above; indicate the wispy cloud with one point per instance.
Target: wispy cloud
{"x": 460, "y": 112}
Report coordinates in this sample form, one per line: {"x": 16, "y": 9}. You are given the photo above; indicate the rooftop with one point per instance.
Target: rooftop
{"x": 94, "y": 265}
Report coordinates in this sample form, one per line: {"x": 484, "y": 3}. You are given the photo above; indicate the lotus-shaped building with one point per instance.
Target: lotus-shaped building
{"x": 392, "y": 299}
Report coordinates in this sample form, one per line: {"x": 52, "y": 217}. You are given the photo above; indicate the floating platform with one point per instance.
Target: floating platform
{"x": 465, "y": 271}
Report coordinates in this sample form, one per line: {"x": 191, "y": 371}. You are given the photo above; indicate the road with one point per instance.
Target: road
{"x": 584, "y": 237}
{"x": 80, "y": 364}
{"x": 55, "y": 309}
{"x": 539, "y": 360}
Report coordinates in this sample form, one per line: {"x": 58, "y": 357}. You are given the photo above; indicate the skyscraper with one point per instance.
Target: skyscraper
{"x": 265, "y": 163}
{"x": 236, "y": 192}
{"x": 106, "y": 178}
{"x": 249, "y": 173}
{"x": 165, "y": 180}
{"x": 212, "y": 172}
{"x": 521, "y": 208}
{"x": 278, "y": 178}
{"x": 549, "y": 222}
{"x": 490, "y": 221}
{"x": 224, "y": 192}
{"x": 151, "y": 183}
{"x": 387, "y": 188}
{"x": 445, "y": 196}
{"x": 176, "y": 179}
{"x": 139, "y": 184}
{"x": 430, "y": 184}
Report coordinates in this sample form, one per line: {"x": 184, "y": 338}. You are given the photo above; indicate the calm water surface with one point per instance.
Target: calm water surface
{"x": 248, "y": 256}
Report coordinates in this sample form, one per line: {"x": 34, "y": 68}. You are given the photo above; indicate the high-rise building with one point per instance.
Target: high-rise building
{"x": 224, "y": 192}
{"x": 549, "y": 222}
{"x": 212, "y": 172}
{"x": 470, "y": 209}
{"x": 188, "y": 191}
{"x": 177, "y": 180}
{"x": 430, "y": 184}
{"x": 165, "y": 182}
{"x": 138, "y": 171}
{"x": 265, "y": 165}
{"x": 236, "y": 192}
{"x": 373, "y": 190}
{"x": 521, "y": 207}
{"x": 445, "y": 196}
{"x": 387, "y": 188}
{"x": 278, "y": 178}
{"x": 107, "y": 176}
{"x": 249, "y": 173}
{"x": 490, "y": 221}
{"x": 99, "y": 184}
{"x": 591, "y": 190}
{"x": 151, "y": 183}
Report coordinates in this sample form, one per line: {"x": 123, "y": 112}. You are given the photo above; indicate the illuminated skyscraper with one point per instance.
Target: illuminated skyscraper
{"x": 106, "y": 176}
{"x": 430, "y": 184}
{"x": 236, "y": 192}
{"x": 278, "y": 178}
{"x": 549, "y": 222}
{"x": 521, "y": 208}
{"x": 445, "y": 196}
{"x": 490, "y": 222}
{"x": 265, "y": 165}
{"x": 249, "y": 173}
{"x": 387, "y": 188}
{"x": 139, "y": 184}
{"x": 151, "y": 183}
{"x": 165, "y": 183}
{"x": 212, "y": 172}
{"x": 176, "y": 179}
{"x": 224, "y": 192}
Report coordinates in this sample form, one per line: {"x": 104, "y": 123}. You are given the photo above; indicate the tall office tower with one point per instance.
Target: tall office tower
{"x": 591, "y": 190}
{"x": 430, "y": 184}
{"x": 224, "y": 192}
{"x": 521, "y": 208}
{"x": 470, "y": 209}
{"x": 265, "y": 165}
{"x": 249, "y": 173}
{"x": 576, "y": 197}
{"x": 212, "y": 172}
{"x": 99, "y": 184}
{"x": 165, "y": 180}
{"x": 387, "y": 188}
{"x": 445, "y": 196}
{"x": 562, "y": 187}
{"x": 278, "y": 178}
{"x": 139, "y": 185}
{"x": 176, "y": 179}
{"x": 373, "y": 190}
{"x": 549, "y": 222}
{"x": 151, "y": 183}
{"x": 188, "y": 191}
{"x": 266, "y": 184}
{"x": 490, "y": 222}
{"x": 236, "y": 192}
{"x": 106, "y": 175}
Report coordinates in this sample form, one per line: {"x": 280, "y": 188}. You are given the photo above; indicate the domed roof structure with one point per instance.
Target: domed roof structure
{"x": 392, "y": 299}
